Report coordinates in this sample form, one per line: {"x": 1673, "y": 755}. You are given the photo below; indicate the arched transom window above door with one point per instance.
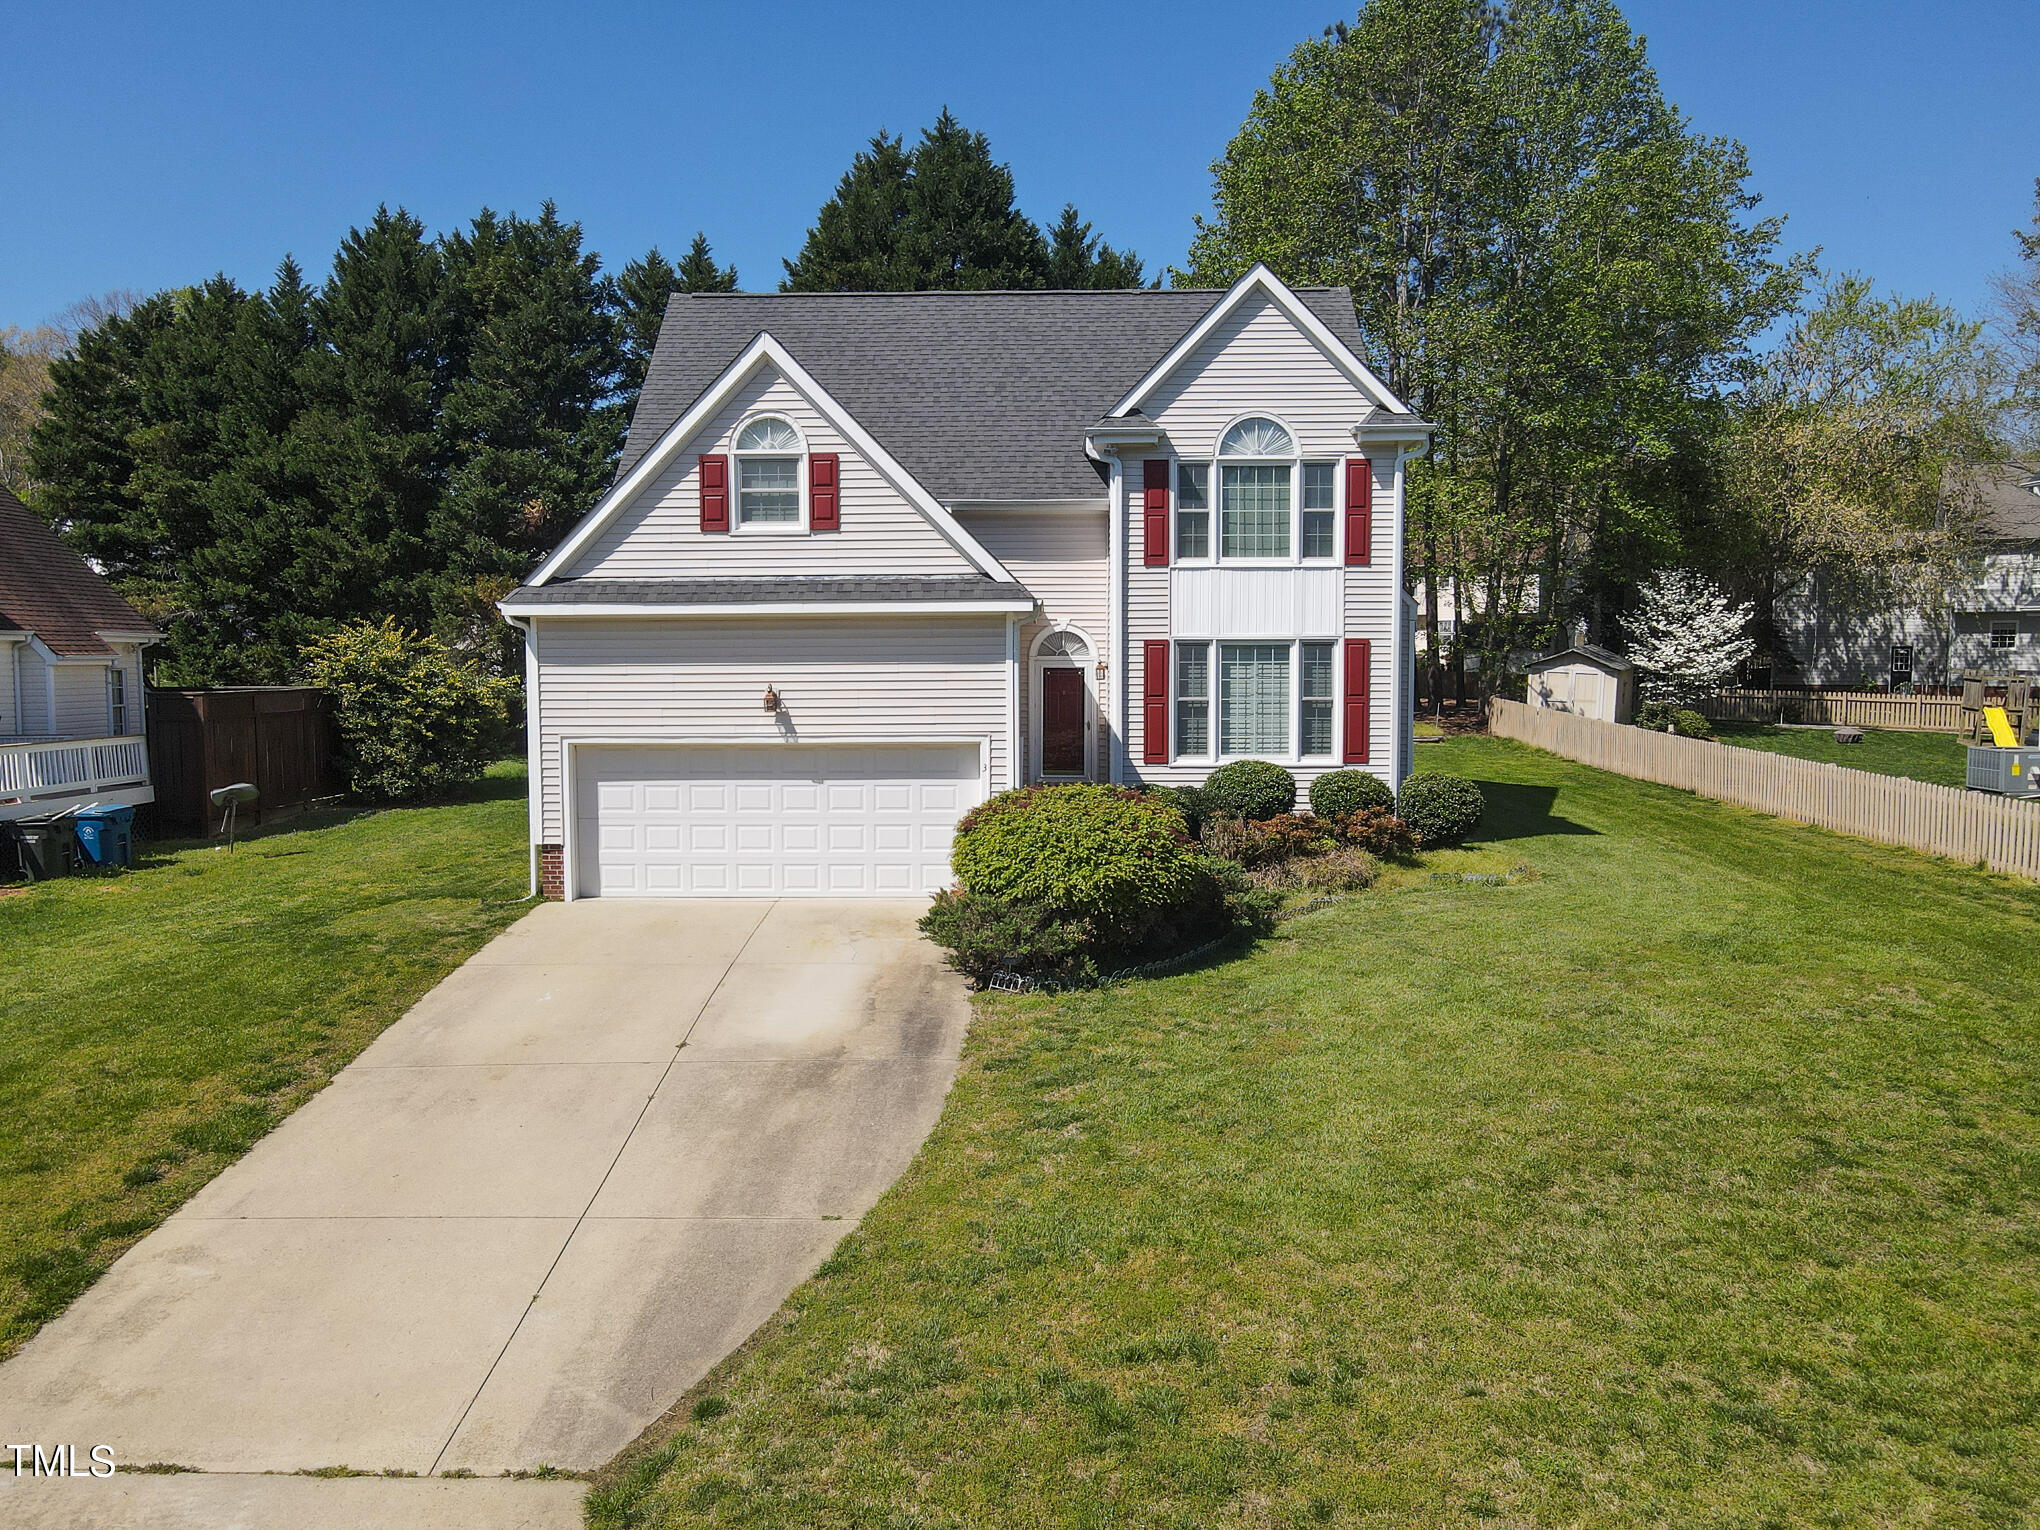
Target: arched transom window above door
{"x": 1063, "y": 645}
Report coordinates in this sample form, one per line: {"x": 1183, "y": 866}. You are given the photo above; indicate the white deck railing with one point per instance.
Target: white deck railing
{"x": 55, "y": 769}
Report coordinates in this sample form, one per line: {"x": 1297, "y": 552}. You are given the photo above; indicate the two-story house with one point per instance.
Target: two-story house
{"x": 71, "y": 726}
{"x": 871, "y": 557}
{"x": 1988, "y": 621}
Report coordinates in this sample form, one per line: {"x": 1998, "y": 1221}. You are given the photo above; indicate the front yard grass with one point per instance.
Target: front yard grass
{"x": 1938, "y": 758}
{"x": 1690, "y": 1181}
{"x": 154, "y": 1025}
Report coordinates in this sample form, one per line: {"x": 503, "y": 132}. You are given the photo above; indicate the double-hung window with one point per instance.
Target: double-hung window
{"x": 2004, "y": 635}
{"x": 1319, "y": 518}
{"x": 768, "y": 473}
{"x": 1314, "y": 693}
{"x": 1255, "y": 495}
{"x": 116, "y": 701}
{"x": 1193, "y": 698}
{"x": 1193, "y": 510}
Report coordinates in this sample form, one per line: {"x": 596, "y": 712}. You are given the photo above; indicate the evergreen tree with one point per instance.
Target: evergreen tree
{"x": 858, "y": 243}
{"x": 1078, "y": 260}
{"x": 963, "y": 232}
{"x": 699, "y": 272}
{"x": 637, "y": 296}
{"x": 523, "y": 430}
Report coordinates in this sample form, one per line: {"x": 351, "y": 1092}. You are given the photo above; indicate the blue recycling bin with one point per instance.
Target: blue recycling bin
{"x": 105, "y": 835}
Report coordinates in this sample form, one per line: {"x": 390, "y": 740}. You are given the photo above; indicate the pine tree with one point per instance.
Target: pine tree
{"x": 1685, "y": 638}
{"x": 699, "y": 272}
{"x": 637, "y": 296}
{"x": 857, "y": 242}
{"x": 524, "y": 429}
{"x": 963, "y": 232}
{"x": 1078, "y": 260}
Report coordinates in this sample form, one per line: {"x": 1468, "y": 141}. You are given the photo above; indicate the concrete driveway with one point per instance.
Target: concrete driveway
{"x": 532, "y": 1214}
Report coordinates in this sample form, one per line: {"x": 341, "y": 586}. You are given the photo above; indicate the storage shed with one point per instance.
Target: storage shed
{"x": 1587, "y": 680}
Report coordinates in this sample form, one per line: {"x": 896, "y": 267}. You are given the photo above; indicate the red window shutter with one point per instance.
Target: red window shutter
{"x": 1154, "y": 512}
{"x": 824, "y": 507}
{"x": 1359, "y": 510}
{"x": 1358, "y": 665}
{"x": 1154, "y": 701}
{"x": 715, "y": 492}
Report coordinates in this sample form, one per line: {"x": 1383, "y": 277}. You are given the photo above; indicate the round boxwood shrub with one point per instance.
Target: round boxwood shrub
{"x": 1688, "y": 723}
{"x": 1249, "y": 789}
{"x": 1096, "y": 853}
{"x": 1339, "y": 792}
{"x": 1442, "y": 809}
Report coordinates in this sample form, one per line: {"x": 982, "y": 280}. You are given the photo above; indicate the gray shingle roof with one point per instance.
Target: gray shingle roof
{"x": 1607, "y": 658}
{"x": 980, "y": 395}
{"x": 2011, "y": 507}
{"x": 47, "y": 589}
{"x": 851, "y": 589}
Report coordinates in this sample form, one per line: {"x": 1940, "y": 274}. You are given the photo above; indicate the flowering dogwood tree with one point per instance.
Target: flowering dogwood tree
{"x": 1686, "y": 638}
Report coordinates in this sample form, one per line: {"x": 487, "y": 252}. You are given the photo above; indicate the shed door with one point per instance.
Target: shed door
{"x": 774, "y": 820}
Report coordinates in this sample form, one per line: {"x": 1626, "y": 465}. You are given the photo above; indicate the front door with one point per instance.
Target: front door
{"x": 1062, "y": 722}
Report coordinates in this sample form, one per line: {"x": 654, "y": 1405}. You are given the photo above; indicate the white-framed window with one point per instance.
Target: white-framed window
{"x": 1314, "y": 690}
{"x": 769, "y": 454}
{"x": 116, "y": 701}
{"x": 1193, "y": 698}
{"x": 1901, "y": 663}
{"x": 2004, "y": 635}
{"x": 1193, "y": 511}
{"x": 1319, "y": 516}
{"x": 1255, "y": 700}
{"x": 1256, "y": 491}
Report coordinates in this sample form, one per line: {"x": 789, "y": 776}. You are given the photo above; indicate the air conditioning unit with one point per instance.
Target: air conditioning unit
{"x": 2008, "y": 772}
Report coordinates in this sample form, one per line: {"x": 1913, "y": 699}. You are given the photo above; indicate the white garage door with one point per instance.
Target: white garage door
{"x": 835, "y": 820}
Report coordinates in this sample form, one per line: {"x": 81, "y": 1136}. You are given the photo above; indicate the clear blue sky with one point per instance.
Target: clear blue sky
{"x": 146, "y": 147}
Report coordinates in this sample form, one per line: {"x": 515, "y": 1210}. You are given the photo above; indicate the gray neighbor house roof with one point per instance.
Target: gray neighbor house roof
{"x": 1593, "y": 653}
{"x": 868, "y": 589}
{"x": 980, "y": 395}
{"x": 2011, "y": 504}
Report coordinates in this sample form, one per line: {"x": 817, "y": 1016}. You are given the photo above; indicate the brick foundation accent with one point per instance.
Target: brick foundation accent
{"x": 552, "y": 871}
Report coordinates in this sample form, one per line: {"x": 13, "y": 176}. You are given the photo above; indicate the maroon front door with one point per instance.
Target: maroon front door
{"x": 1062, "y": 722}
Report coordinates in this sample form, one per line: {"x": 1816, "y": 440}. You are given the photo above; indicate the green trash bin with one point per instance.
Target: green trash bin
{"x": 46, "y": 847}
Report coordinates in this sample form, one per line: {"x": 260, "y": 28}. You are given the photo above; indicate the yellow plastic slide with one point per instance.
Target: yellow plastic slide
{"x": 2000, "y": 727}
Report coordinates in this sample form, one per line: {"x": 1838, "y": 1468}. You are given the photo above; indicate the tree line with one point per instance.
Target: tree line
{"x": 258, "y": 469}
{"x": 1627, "y": 371}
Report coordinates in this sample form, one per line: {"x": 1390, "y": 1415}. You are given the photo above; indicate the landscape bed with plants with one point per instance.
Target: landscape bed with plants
{"x": 1694, "y": 1181}
{"x": 1065, "y": 885}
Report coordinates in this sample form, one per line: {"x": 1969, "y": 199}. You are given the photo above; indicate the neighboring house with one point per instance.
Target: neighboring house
{"x": 873, "y": 557}
{"x": 1991, "y": 621}
{"x": 1585, "y": 679}
{"x": 70, "y": 677}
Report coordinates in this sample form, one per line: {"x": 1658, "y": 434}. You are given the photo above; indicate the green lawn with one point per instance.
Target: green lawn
{"x": 1690, "y": 1182}
{"x": 153, "y": 1025}
{"x": 1935, "y": 757}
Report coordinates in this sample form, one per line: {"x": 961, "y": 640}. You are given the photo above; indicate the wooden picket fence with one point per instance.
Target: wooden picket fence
{"x": 1838, "y": 709}
{"x": 1972, "y": 827}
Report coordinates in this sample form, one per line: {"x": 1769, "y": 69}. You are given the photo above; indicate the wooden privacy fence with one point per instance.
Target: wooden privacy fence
{"x": 1973, "y": 827}
{"x": 278, "y": 738}
{"x": 1838, "y": 709}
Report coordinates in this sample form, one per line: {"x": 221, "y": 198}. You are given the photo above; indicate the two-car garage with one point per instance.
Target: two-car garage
{"x": 768, "y": 820}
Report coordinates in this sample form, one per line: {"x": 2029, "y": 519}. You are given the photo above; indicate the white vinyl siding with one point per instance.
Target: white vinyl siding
{"x": 864, "y": 679}
{"x": 1060, "y": 555}
{"x": 659, "y": 536}
{"x": 1259, "y": 362}
{"x": 81, "y": 701}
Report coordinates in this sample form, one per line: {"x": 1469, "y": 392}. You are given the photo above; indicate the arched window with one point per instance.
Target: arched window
{"x": 1063, "y": 645}
{"x": 768, "y": 473}
{"x": 1255, "y": 493}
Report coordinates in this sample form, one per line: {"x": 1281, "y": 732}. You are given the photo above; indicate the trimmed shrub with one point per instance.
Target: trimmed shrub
{"x": 1249, "y": 789}
{"x": 1187, "y": 800}
{"x": 1378, "y": 832}
{"x": 1281, "y": 838}
{"x": 1688, "y": 723}
{"x": 1089, "y": 852}
{"x": 414, "y": 717}
{"x": 1337, "y": 793}
{"x": 986, "y": 935}
{"x": 1654, "y": 715}
{"x": 1442, "y": 809}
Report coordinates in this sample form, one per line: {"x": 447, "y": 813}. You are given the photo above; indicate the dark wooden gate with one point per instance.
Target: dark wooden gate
{"x": 278, "y": 737}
